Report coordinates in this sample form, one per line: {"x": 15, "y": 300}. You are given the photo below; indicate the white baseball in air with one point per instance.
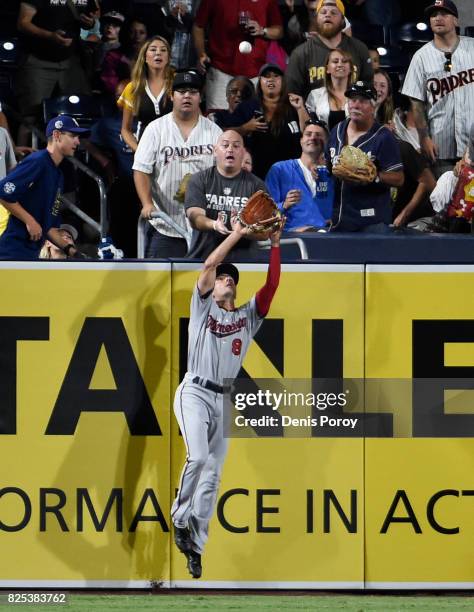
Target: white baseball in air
{"x": 245, "y": 47}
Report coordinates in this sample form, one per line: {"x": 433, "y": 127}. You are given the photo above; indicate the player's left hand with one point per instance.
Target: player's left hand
{"x": 237, "y": 225}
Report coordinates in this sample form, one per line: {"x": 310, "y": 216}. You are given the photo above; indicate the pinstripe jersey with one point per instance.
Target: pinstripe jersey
{"x": 218, "y": 338}
{"x": 448, "y": 94}
{"x": 163, "y": 153}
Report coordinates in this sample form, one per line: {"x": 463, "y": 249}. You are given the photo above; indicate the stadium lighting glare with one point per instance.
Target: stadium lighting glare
{"x": 421, "y": 26}
{"x": 74, "y": 99}
{"x": 382, "y": 51}
{"x": 8, "y": 46}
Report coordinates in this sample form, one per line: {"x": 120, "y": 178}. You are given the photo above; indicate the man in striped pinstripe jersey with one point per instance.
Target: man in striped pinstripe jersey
{"x": 440, "y": 82}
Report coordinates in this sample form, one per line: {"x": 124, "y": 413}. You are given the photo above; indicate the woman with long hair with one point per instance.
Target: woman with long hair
{"x": 329, "y": 102}
{"x": 271, "y": 123}
{"x": 148, "y": 95}
{"x": 385, "y": 107}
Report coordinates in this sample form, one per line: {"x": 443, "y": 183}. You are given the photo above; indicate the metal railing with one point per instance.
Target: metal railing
{"x": 100, "y": 226}
{"x": 143, "y": 225}
{"x": 299, "y": 242}
{"x": 187, "y": 235}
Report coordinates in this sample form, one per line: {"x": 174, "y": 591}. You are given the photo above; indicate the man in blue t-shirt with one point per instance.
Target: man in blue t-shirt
{"x": 359, "y": 205}
{"x": 31, "y": 193}
{"x": 302, "y": 193}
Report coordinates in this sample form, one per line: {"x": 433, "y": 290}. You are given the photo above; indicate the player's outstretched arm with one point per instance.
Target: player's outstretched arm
{"x": 265, "y": 295}
{"x": 207, "y": 278}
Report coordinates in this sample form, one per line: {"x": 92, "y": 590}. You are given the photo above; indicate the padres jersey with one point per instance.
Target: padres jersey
{"x": 163, "y": 153}
{"x": 218, "y": 338}
{"x": 448, "y": 94}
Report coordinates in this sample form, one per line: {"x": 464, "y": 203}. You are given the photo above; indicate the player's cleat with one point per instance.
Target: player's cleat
{"x": 182, "y": 539}
{"x": 194, "y": 564}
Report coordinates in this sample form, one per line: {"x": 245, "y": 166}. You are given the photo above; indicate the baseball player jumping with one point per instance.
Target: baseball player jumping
{"x": 219, "y": 336}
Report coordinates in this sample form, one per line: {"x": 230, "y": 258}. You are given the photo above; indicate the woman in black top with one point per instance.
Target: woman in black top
{"x": 148, "y": 95}
{"x": 271, "y": 123}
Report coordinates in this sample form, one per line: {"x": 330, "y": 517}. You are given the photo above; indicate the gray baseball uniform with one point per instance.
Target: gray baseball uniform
{"x": 218, "y": 342}
{"x": 446, "y": 86}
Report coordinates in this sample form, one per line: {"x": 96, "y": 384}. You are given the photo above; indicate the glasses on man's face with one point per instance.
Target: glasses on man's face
{"x": 448, "y": 64}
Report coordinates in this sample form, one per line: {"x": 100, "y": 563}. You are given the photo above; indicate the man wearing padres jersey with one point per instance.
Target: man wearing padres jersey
{"x": 440, "y": 81}
{"x": 219, "y": 336}
{"x": 214, "y": 193}
{"x": 180, "y": 143}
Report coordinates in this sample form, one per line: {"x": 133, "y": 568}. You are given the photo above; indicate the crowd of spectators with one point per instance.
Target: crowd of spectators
{"x": 204, "y": 102}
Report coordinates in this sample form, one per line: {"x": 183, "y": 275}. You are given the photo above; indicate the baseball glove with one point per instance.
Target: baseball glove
{"x": 260, "y": 213}
{"x": 354, "y": 165}
{"x": 181, "y": 192}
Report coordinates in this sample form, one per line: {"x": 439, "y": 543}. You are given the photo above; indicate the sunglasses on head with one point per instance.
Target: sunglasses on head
{"x": 317, "y": 122}
{"x": 448, "y": 64}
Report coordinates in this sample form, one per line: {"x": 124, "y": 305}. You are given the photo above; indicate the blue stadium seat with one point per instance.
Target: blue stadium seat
{"x": 85, "y": 109}
{"x": 469, "y": 31}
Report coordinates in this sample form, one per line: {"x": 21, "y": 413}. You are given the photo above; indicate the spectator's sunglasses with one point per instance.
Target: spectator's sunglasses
{"x": 448, "y": 64}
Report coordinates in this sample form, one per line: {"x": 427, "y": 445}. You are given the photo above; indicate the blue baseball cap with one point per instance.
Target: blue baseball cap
{"x": 63, "y": 123}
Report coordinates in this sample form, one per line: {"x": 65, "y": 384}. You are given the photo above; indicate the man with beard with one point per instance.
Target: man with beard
{"x": 213, "y": 194}
{"x": 301, "y": 188}
{"x": 361, "y": 206}
{"x": 306, "y": 68}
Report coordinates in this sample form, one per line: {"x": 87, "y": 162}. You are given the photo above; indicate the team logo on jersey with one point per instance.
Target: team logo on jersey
{"x": 222, "y": 330}
{"x": 227, "y": 190}
{"x": 9, "y": 187}
{"x": 439, "y": 88}
{"x": 58, "y": 124}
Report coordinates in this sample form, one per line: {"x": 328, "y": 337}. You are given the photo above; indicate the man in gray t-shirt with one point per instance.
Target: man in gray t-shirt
{"x": 212, "y": 194}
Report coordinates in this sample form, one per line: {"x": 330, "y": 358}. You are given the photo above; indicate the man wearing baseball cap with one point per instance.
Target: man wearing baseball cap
{"x": 31, "y": 194}
{"x": 440, "y": 83}
{"x": 171, "y": 148}
{"x": 306, "y": 68}
{"x": 364, "y": 206}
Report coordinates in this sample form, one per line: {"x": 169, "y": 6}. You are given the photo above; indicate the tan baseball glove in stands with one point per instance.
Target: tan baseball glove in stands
{"x": 354, "y": 165}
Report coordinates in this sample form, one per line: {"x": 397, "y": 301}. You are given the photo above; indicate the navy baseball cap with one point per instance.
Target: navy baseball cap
{"x": 230, "y": 269}
{"x": 188, "y": 78}
{"x": 364, "y": 89}
{"x": 445, "y": 5}
{"x": 63, "y": 123}
{"x": 270, "y": 68}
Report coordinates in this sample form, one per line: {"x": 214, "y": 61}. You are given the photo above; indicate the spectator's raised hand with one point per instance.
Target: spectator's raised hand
{"x": 256, "y": 124}
{"x": 292, "y": 198}
{"x": 296, "y": 101}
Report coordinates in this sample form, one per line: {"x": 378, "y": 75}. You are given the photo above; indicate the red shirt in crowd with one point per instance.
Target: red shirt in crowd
{"x": 225, "y": 33}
